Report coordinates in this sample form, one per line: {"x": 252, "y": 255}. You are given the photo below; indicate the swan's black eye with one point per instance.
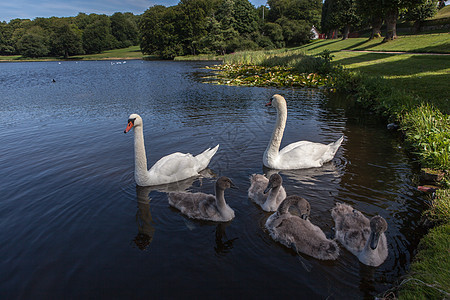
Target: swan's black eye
{"x": 131, "y": 120}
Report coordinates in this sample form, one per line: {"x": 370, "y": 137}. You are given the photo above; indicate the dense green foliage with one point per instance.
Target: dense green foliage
{"x": 225, "y": 26}
{"x": 342, "y": 15}
{"x": 208, "y": 27}
{"x": 68, "y": 36}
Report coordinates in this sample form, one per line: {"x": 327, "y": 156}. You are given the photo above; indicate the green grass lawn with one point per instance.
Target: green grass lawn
{"x": 133, "y": 52}
{"x": 424, "y": 75}
{"x": 422, "y": 43}
{"x": 443, "y": 13}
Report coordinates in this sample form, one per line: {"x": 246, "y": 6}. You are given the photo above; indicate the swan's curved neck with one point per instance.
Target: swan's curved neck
{"x": 220, "y": 199}
{"x": 277, "y": 135}
{"x": 272, "y": 197}
{"x": 140, "y": 158}
{"x": 284, "y": 206}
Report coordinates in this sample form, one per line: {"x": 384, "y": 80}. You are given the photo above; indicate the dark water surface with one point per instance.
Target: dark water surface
{"x": 74, "y": 225}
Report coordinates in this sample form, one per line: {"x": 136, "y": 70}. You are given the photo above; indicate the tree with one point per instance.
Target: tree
{"x": 193, "y": 22}
{"x": 275, "y": 32}
{"x": 245, "y": 17}
{"x": 296, "y": 18}
{"x": 214, "y": 41}
{"x": 66, "y": 40}
{"x": 6, "y": 42}
{"x": 307, "y": 10}
{"x": 372, "y": 10}
{"x": 391, "y": 10}
{"x": 159, "y": 31}
{"x": 347, "y": 15}
{"x": 295, "y": 32}
{"x": 97, "y": 35}
{"x": 124, "y": 29}
{"x": 330, "y": 21}
{"x": 418, "y": 14}
{"x": 33, "y": 43}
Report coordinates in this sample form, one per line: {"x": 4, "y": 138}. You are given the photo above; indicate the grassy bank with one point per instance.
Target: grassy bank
{"x": 425, "y": 76}
{"x": 133, "y": 52}
{"x": 411, "y": 90}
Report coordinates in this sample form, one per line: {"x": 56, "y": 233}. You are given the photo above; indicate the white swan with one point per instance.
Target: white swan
{"x": 171, "y": 168}
{"x": 204, "y": 206}
{"x": 299, "y": 155}
{"x": 267, "y": 193}
{"x": 363, "y": 237}
{"x": 298, "y": 232}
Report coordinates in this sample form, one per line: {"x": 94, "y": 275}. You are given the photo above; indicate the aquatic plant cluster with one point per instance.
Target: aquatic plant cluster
{"x": 252, "y": 75}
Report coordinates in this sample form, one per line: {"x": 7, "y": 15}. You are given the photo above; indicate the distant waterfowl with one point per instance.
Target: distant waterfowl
{"x": 171, "y": 168}
{"x": 205, "y": 206}
{"x": 363, "y": 237}
{"x": 298, "y": 155}
{"x": 267, "y": 193}
{"x": 298, "y": 232}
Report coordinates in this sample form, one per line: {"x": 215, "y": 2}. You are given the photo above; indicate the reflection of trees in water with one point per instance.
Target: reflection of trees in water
{"x": 223, "y": 244}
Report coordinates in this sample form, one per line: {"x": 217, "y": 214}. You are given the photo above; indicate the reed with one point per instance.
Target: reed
{"x": 428, "y": 132}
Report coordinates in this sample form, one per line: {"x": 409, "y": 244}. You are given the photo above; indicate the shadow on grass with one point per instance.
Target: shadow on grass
{"x": 355, "y": 46}
{"x": 431, "y": 88}
{"x": 366, "y": 57}
{"x": 409, "y": 66}
{"x": 442, "y": 48}
{"x": 324, "y": 44}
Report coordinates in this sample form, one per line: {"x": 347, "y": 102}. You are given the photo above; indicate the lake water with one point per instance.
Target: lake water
{"x": 74, "y": 225}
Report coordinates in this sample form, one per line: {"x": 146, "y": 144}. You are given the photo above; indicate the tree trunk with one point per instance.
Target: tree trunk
{"x": 66, "y": 54}
{"x": 376, "y": 27}
{"x": 391, "y": 24}
{"x": 416, "y": 26}
{"x": 346, "y": 32}
{"x": 329, "y": 34}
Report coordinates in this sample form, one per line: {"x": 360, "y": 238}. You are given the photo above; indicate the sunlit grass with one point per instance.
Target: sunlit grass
{"x": 428, "y": 132}
{"x": 133, "y": 52}
{"x": 429, "y": 276}
{"x": 423, "y": 75}
{"x": 443, "y": 13}
{"x": 436, "y": 42}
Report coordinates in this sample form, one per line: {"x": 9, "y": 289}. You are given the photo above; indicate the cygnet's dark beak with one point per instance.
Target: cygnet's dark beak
{"x": 233, "y": 186}
{"x": 374, "y": 238}
{"x": 269, "y": 186}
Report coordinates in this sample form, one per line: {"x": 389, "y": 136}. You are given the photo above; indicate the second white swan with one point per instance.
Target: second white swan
{"x": 299, "y": 155}
{"x": 171, "y": 168}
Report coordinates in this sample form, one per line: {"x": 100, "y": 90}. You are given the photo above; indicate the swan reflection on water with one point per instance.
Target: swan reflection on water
{"x": 223, "y": 244}
{"x": 308, "y": 176}
{"x": 144, "y": 219}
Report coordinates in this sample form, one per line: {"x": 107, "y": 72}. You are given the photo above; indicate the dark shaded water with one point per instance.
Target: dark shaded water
{"x": 74, "y": 225}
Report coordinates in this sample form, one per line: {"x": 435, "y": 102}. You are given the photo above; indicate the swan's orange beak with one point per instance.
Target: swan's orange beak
{"x": 269, "y": 104}
{"x": 129, "y": 126}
